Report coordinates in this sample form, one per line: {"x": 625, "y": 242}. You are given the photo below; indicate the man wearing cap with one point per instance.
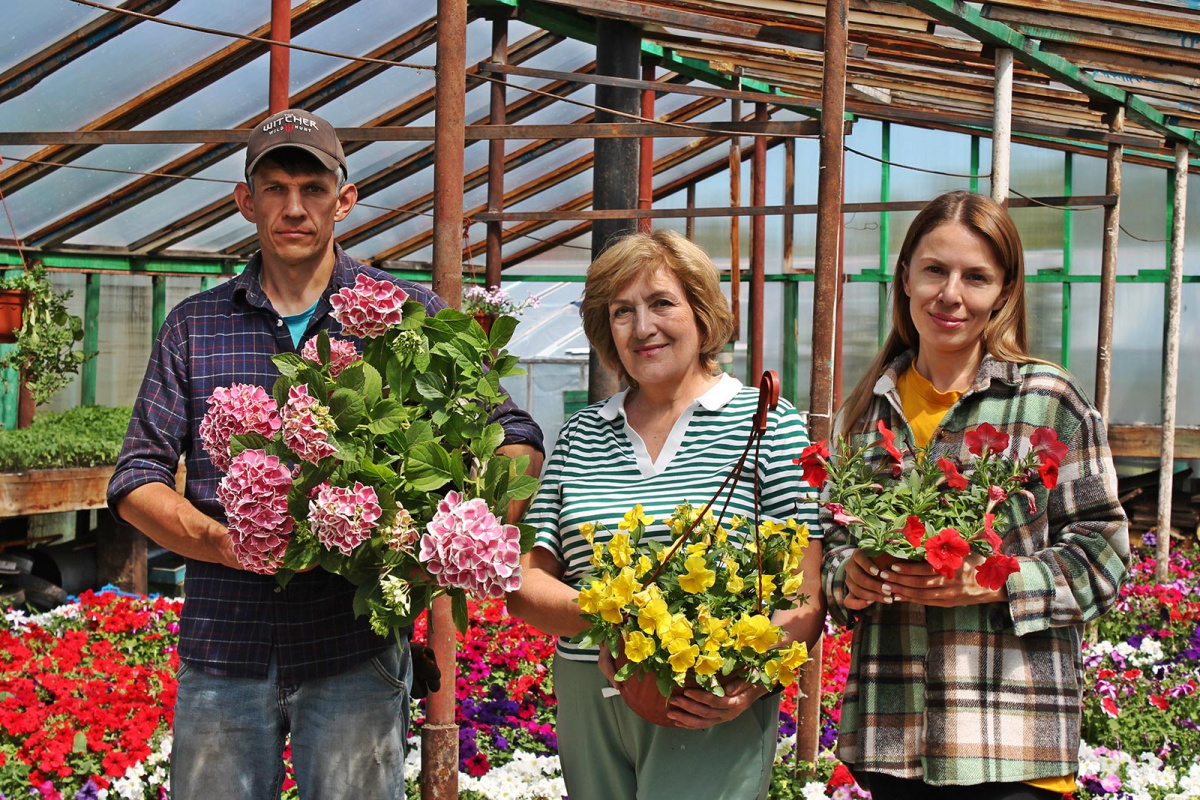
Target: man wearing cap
{"x": 259, "y": 662}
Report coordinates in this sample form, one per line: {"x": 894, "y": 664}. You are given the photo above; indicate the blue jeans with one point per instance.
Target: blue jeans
{"x": 348, "y": 733}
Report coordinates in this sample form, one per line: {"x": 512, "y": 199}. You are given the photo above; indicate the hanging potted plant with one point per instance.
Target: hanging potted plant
{"x": 486, "y": 303}
{"x": 12, "y": 305}
{"x": 45, "y": 353}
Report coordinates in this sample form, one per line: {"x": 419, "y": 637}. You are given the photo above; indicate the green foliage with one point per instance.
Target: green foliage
{"x": 45, "y": 347}
{"x": 82, "y": 437}
{"x": 411, "y": 422}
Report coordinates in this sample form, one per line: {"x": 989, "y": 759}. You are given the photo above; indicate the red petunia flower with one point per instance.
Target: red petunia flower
{"x": 986, "y": 437}
{"x": 1049, "y": 472}
{"x": 989, "y": 533}
{"x": 841, "y": 777}
{"x": 1046, "y": 445}
{"x": 888, "y": 441}
{"x": 914, "y": 531}
{"x": 1159, "y": 702}
{"x": 945, "y": 552}
{"x": 1110, "y": 707}
{"x": 993, "y": 572}
{"x": 812, "y": 461}
{"x": 840, "y": 516}
{"x": 954, "y": 478}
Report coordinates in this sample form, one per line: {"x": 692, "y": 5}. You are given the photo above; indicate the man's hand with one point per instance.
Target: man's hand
{"x": 427, "y": 676}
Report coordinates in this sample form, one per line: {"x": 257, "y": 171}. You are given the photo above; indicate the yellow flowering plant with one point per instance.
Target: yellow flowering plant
{"x": 698, "y": 606}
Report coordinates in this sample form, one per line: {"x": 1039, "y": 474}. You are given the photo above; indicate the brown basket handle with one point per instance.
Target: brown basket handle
{"x": 768, "y": 401}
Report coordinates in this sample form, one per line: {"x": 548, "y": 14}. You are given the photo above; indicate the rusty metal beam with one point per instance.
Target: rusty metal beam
{"x": 281, "y": 56}
{"x": 1108, "y": 270}
{"x": 311, "y": 98}
{"x": 657, "y": 86}
{"x": 775, "y": 210}
{"x": 427, "y": 133}
{"x": 168, "y": 92}
{"x": 24, "y": 76}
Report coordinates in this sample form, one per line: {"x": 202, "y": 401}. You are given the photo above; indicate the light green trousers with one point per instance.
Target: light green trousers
{"x": 610, "y": 753}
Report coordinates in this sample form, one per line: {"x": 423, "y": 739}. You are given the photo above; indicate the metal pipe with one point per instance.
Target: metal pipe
{"x": 826, "y": 287}
{"x": 281, "y": 31}
{"x": 791, "y": 289}
{"x": 735, "y": 224}
{"x": 758, "y": 247}
{"x": 974, "y": 164}
{"x": 1166, "y": 466}
{"x": 690, "y": 223}
{"x": 615, "y": 170}
{"x": 885, "y": 227}
{"x": 495, "y": 232}
{"x": 1002, "y": 125}
{"x": 1108, "y": 267}
{"x": 1067, "y": 240}
{"x": 646, "y": 153}
{"x": 439, "y": 736}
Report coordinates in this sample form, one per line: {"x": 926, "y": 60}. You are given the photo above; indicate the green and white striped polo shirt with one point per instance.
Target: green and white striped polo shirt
{"x": 600, "y": 469}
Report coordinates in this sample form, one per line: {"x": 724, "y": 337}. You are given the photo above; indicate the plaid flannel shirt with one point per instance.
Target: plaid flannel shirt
{"x": 232, "y": 619}
{"x": 988, "y": 693}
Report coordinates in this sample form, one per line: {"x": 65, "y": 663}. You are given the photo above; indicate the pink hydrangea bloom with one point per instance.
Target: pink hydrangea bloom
{"x": 240, "y": 408}
{"x": 342, "y": 353}
{"x": 254, "y": 495}
{"x": 307, "y": 426}
{"x": 465, "y": 546}
{"x": 368, "y": 309}
{"x": 343, "y": 518}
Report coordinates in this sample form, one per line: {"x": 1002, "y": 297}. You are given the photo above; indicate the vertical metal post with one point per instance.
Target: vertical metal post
{"x": 158, "y": 305}
{"x": 1068, "y": 190}
{"x": 975, "y": 164}
{"x": 690, "y": 222}
{"x": 791, "y": 288}
{"x": 1108, "y": 267}
{"x": 885, "y": 228}
{"x": 646, "y": 152}
{"x": 826, "y": 287}
{"x": 439, "y": 736}
{"x": 615, "y": 170}
{"x": 1166, "y": 467}
{"x": 735, "y": 223}
{"x": 1002, "y": 125}
{"x": 495, "y": 201}
{"x": 689, "y": 229}
{"x": 758, "y": 247}
{"x": 281, "y": 31}
{"x": 91, "y": 340}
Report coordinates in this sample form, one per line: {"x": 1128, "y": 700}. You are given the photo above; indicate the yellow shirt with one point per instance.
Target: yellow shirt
{"x": 925, "y": 407}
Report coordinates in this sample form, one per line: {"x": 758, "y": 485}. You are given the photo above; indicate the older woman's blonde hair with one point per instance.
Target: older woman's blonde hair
{"x": 626, "y": 260}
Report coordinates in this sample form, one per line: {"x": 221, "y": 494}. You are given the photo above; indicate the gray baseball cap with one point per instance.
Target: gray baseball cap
{"x": 294, "y": 127}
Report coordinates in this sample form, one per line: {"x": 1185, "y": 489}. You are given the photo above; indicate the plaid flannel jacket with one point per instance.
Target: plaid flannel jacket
{"x": 988, "y": 693}
{"x": 233, "y": 620}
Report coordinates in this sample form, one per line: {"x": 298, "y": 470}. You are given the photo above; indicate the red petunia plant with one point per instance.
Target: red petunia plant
{"x": 918, "y": 509}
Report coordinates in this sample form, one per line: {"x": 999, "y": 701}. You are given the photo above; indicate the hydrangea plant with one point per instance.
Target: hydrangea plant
{"x": 380, "y": 467}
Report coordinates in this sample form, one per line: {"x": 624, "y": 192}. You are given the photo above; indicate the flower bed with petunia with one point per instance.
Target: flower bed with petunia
{"x": 86, "y": 696}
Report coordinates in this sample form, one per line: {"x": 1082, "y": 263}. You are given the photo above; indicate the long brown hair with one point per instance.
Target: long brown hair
{"x": 1005, "y": 336}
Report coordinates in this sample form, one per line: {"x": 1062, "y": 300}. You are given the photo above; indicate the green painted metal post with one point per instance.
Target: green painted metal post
{"x": 885, "y": 220}
{"x": 208, "y": 282}
{"x": 91, "y": 340}
{"x": 1068, "y": 190}
{"x": 974, "y": 164}
{"x": 791, "y": 341}
{"x": 158, "y": 309}
{"x": 9, "y": 381}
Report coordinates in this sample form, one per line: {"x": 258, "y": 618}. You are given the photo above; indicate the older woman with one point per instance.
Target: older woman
{"x": 953, "y": 684}
{"x": 654, "y": 312}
